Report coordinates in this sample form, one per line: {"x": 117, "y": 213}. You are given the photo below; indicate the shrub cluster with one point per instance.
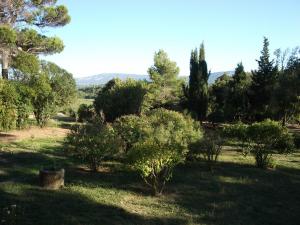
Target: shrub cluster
{"x": 262, "y": 139}
{"x": 153, "y": 143}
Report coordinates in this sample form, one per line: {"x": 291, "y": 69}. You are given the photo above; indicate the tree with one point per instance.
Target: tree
{"x": 286, "y": 98}
{"x": 52, "y": 89}
{"x": 262, "y": 87}
{"x": 165, "y": 88}
{"x": 8, "y": 108}
{"x": 62, "y": 84}
{"x": 219, "y": 94}
{"x": 118, "y": 98}
{"x": 42, "y": 99}
{"x": 281, "y": 58}
{"x": 20, "y": 22}
{"x": 238, "y": 100}
{"x": 162, "y": 138}
{"x": 25, "y": 66}
{"x": 197, "y": 91}
{"x": 23, "y": 103}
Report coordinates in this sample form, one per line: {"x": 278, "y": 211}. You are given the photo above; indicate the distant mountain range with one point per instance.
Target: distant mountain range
{"x": 103, "y": 78}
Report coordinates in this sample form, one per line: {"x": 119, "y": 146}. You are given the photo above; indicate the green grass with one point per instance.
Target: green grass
{"x": 236, "y": 193}
{"x": 80, "y": 101}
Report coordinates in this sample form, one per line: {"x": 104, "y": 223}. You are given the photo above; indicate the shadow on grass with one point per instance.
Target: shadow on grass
{"x": 238, "y": 194}
{"x": 35, "y": 207}
{"x": 233, "y": 194}
{"x": 23, "y": 167}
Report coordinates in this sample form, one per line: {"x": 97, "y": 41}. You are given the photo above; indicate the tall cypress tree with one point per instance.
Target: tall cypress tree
{"x": 192, "y": 93}
{"x": 203, "y": 77}
{"x": 263, "y": 84}
{"x": 197, "y": 93}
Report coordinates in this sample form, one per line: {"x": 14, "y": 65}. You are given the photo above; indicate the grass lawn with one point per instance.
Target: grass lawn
{"x": 235, "y": 194}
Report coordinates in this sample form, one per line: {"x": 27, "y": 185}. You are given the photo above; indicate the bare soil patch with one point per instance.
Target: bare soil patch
{"x": 31, "y": 133}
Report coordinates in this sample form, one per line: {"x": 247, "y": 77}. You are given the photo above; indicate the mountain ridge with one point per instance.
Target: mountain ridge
{"x": 103, "y": 78}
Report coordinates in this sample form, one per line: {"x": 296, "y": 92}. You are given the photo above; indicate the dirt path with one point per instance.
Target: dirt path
{"x": 33, "y": 132}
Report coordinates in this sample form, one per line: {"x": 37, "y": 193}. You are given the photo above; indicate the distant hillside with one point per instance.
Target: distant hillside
{"x": 214, "y": 76}
{"x": 103, "y": 78}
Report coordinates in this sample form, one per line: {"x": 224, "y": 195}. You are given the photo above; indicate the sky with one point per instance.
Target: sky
{"x": 121, "y": 36}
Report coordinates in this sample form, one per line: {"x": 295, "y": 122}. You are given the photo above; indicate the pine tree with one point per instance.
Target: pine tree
{"x": 164, "y": 90}
{"x": 263, "y": 84}
{"x": 20, "y": 24}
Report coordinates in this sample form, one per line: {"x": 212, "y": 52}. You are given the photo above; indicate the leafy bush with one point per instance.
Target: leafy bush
{"x": 86, "y": 113}
{"x": 262, "y": 139}
{"x": 23, "y": 103}
{"x": 161, "y": 144}
{"x": 236, "y": 131}
{"x": 43, "y": 99}
{"x": 209, "y": 148}
{"x": 72, "y": 113}
{"x": 53, "y": 88}
{"x": 8, "y": 108}
{"x": 130, "y": 129}
{"x": 118, "y": 98}
{"x": 93, "y": 143}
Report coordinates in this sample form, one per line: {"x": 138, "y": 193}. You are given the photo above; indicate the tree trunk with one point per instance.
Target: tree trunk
{"x": 5, "y": 74}
{"x": 284, "y": 119}
{"x": 5, "y": 64}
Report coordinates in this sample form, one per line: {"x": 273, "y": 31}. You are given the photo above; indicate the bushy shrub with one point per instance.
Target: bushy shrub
{"x": 23, "y": 104}
{"x": 43, "y": 99}
{"x": 162, "y": 143}
{"x": 118, "y": 98}
{"x": 236, "y": 131}
{"x": 130, "y": 130}
{"x": 72, "y": 113}
{"x": 209, "y": 148}
{"x": 262, "y": 139}
{"x": 93, "y": 143}
{"x": 86, "y": 113}
{"x": 8, "y": 108}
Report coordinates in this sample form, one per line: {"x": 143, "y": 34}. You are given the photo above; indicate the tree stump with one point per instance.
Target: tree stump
{"x": 52, "y": 179}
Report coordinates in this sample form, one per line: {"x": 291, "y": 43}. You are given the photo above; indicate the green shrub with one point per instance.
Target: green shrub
{"x": 23, "y": 103}
{"x": 262, "y": 139}
{"x": 72, "y": 113}
{"x": 8, "y": 107}
{"x": 130, "y": 129}
{"x": 209, "y": 148}
{"x": 118, "y": 98}
{"x": 43, "y": 99}
{"x": 162, "y": 143}
{"x": 93, "y": 143}
{"x": 86, "y": 113}
{"x": 236, "y": 131}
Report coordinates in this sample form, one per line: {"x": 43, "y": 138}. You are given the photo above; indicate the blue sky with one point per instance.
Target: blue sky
{"x": 122, "y": 35}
